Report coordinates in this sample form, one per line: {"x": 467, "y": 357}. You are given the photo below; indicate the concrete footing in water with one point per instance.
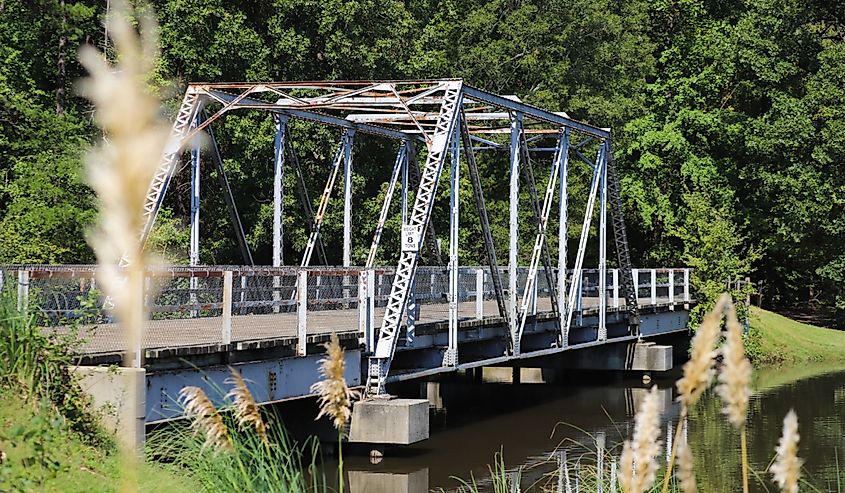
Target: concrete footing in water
{"x": 389, "y": 421}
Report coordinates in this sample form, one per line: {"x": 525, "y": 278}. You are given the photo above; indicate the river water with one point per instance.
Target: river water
{"x": 540, "y": 427}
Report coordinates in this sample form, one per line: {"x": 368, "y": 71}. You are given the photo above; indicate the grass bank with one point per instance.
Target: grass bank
{"x": 42, "y": 453}
{"x": 778, "y": 340}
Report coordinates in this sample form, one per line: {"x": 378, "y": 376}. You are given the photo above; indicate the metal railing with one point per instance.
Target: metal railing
{"x": 228, "y": 304}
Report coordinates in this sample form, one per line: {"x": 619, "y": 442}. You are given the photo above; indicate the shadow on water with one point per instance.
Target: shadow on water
{"x": 532, "y": 423}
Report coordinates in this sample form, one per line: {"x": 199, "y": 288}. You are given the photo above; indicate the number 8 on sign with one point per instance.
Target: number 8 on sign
{"x": 410, "y": 238}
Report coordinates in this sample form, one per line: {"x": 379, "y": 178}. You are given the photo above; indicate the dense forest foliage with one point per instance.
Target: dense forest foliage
{"x": 728, "y": 119}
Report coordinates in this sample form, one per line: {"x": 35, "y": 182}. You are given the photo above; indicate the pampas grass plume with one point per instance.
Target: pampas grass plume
{"x": 121, "y": 168}
{"x": 206, "y": 419}
{"x": 735, "y": 376}
{"x": 786, "y": 469}
{"x": 698, "y": 371}
{"x": 246, "y": 410}
{"x": 335, "y": 397}
{"x": 638, "y": 464}
{"x": 686, "y": 468}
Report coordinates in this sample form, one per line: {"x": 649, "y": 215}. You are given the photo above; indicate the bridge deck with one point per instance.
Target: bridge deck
{"x": 278, "y": 329}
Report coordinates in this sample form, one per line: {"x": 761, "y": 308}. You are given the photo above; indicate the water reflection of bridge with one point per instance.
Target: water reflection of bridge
{"x": 543, "y": 425}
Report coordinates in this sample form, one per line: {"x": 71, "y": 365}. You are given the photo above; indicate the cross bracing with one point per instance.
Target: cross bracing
{"x": 445, "y": 122}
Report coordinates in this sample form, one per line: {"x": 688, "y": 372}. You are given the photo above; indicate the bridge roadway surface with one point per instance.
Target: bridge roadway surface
{"x": 177, "y": 336}
{"x": 189, "y": 351}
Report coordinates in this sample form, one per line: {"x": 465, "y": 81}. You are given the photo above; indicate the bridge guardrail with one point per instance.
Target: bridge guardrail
{"x": 243, "y": 303}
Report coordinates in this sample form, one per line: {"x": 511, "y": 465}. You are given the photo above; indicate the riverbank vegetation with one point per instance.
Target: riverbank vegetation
{"x": 726, "y": 119}
{"x": 775, "y": 340}
{"x": 50, "y": 438}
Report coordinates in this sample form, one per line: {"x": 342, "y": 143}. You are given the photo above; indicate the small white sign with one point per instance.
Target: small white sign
{"x": 410, "y": 238}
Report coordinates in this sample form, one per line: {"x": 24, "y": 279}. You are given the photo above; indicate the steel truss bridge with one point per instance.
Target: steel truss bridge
{"x": 398, "y": 322}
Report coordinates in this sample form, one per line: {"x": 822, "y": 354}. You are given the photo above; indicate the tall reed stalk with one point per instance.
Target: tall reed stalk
{"x": 334, "y": 395}
{"x": 734, "y": 385}
{"x": 698, "y": 372}
{"x": 786, "y": 469}
{"x": 120, "y": 170}
{"x": 638, "y": 464}
{"x": 121, "y": 167}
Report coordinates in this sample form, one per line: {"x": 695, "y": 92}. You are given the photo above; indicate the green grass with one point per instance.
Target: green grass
{"x": 277, "y": 466}
{"x": 782, "y": 341}
{"x": 44, "y": 454}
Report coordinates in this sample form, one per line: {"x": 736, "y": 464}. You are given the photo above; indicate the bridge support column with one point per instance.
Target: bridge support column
{"x": 279, "y": 193}
{"x": 301, "y": 312}
{"x": 513, "y": 229}
{"x": 194, "y": 254}
{"x": 278, "y": 204}
{"x": 451, "y": 357}
{"x": 602, "y": 332}
{"x": 562, "y": 234}
{"x": 389, "y": 421}
{"x": 348, "y": 138}
{"x": 121, "y": 393}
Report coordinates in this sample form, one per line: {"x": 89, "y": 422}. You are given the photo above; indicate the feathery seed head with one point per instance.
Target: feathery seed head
{"x": 786, "y": 469}
{"x": 686, "y": 468}
{"x": 698, "y": 371}
{"x": 735, "y": 376}
{"x": 638, "y": 464}
{"x": 246, "y": 410}
{"x": 205, "y": 418}
{"x": 121, "y": 168}
{"x": 335, "y": 397}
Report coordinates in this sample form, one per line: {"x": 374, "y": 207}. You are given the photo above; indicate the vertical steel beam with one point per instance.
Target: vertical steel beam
{"x": 529, "y": 297}
{"x": 451, "y": 358}
{"x": 278, "y": 190}
{"x": 481, "y": 207}
{"x": 615, "y": 288}
{"x": 226, "y": 335}
{"x": 321, "y": 209}
{"x": 513, "y": 229}
{"x": 671, "y": 289}
{"x": 575, "y": 294}
{"x": 304, "y": 197}
{"x": 385, "y": 206}
{"x": 406, "y": 163}
{"x": 479, "y": 294}
{"x": 635, "y": 276}
{"x": 562, "y": 231}
{"x": 602, "y": 332}
{"x": 362, "y": 309}
{"x": 301, "y": 312}
{"x": 348, "y": 138}
{"x": 194, "y": 254}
